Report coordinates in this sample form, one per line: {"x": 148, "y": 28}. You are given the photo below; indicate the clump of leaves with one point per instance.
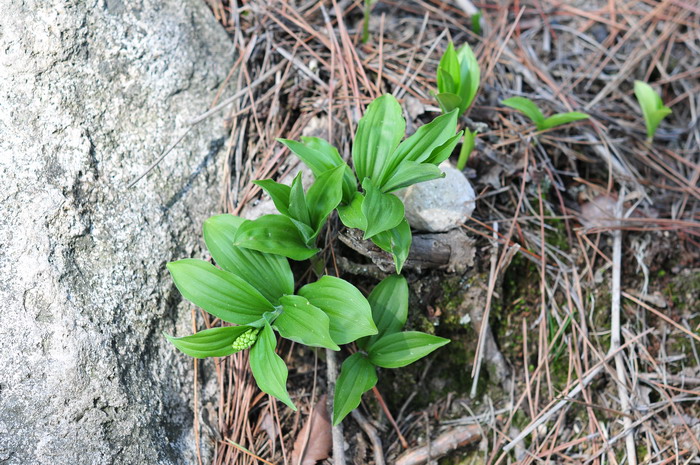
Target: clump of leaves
{"x": 458, "y": 77}
{"x": 253, "y": 285}
{"x": 653, "y": 107}
{"x": 389, "y": 348}
{"x": 384, "y": 163}
{"x": 532, "y": 111}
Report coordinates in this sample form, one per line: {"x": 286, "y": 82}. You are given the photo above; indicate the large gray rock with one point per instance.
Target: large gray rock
{"x": 90, "y": 93}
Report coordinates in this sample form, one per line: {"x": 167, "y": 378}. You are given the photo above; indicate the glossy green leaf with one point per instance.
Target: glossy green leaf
{"x": 397, "y": 242}
{"x": 653, "y": 107}
{"x": 382, "y": 211}
{"x": 400, "y": 349}
{"x": 562, "y": 118}
{"x": 378, "y": 134}
{"x": 421, "y": 144}
{"x": 349, "y": 312}
{"x": 268, "y": 368}
{"x": 214, "y": 342}
{"x": 389, "y": 302}
{"x": 411, "y": 172}
{"x": 527, "y": 107}
{"x": 443, "y": 152}
{"x": 275, "y": 234}
{"x": 298, "y": 208}
{"x": 219, "y": 292}
{"x": 357, "y": 376}
{"x": 470, "y": 76}
{"x": 448, "y": 101}
{"x": 304, "y": 323}
{"x": 316, "y": 153}
{"x": 269, "y": 274}
{"x": 279, "y": 193}
{"x": 351, "y": 214}
{"x": 324, "y": 195}
{"x": 448, "y": 76}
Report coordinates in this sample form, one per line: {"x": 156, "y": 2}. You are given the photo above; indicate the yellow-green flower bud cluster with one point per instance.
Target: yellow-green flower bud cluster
{"x": 246, "y": 340}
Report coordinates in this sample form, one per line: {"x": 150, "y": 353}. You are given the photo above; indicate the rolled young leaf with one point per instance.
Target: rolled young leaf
{"x": 470, "y": 76}
{"x": 219, "y": 292}
{"x": 357, "y": 376}
{"x": 268, "y": 368}
{"x": 382, "y": 211}
{"x": 302, "y": 322}
{"x": 275, "y": 234}
{"x": 270, "y": 274}
{"x": 448, "y": 75}
{"x": 349, "y": 312}
{"x": 298, "y": 208}
{"x": 400, "y": 349}
{"x": 378, "y": 134}
{"x": 214, "y": 342}
{"x": 653, "y": 107}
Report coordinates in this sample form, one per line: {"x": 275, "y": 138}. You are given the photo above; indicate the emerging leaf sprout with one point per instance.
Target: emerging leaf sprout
{"x": 653, "y": 107}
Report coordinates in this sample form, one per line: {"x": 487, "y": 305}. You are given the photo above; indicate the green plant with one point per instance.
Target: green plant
{"x": 458, "y": 78}
{"x": 365, "y": 20}
{"x": 389, "y": 348}
{"x": 253, "y": 285}
{"x": 653, "y": 107}
{"x": 532, "y": 111}
{"x": 476, "y": 22}
{"x": 384, "y": 164}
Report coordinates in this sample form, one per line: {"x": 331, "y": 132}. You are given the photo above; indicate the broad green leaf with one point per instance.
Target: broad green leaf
{"x": 349, "y": 180}
{"x": 279, "y": 193}
{"x": 351, "y": 215}
{"x": 378, "y": 134}
{"x": 268, "y": 368}
{"x": 316, "y": 153}
{"x": 302, "y": 322}
{"x": 411, "y": 172}
{"x": 298, "y": 208}
{"x": 527, "y": 107}
{"x": 443, "y": 152}
{"x": 349, "y": 312}
{"x": 400, "y": 349}
{"x": 653, "y": 107}
{"x": 275, "y": 234}
{"x": 421, "y": 144}
{"x": 219, "y": 292}
{"x": 269, "y": 274}
{"x": 324, "y": 195}
{"x": 470, "y": 76}
{"x": 389, "y": 302}
{"x": 562, "y": 118}
{"x": 448, "y": 101}
{"x": 382, "y": 211}
{"x": 357, "y": 376}
{"x": 448, "y": 76}
{"x": 214, "y": 342}
{"x": 397, "y": 242}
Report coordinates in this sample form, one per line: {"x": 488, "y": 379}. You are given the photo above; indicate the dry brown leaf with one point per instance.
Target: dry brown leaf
{"x": 318, "y": 430}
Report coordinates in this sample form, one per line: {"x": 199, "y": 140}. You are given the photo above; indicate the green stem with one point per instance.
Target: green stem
{"x": 365, "y": 23}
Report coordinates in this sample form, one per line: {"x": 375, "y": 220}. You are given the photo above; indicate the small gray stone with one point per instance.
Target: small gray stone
{"x": 441, "y": 204}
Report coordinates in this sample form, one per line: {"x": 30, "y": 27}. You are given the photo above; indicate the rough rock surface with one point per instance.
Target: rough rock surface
{"x": 441, "y": 204}
{"x": 90, "y": 93}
